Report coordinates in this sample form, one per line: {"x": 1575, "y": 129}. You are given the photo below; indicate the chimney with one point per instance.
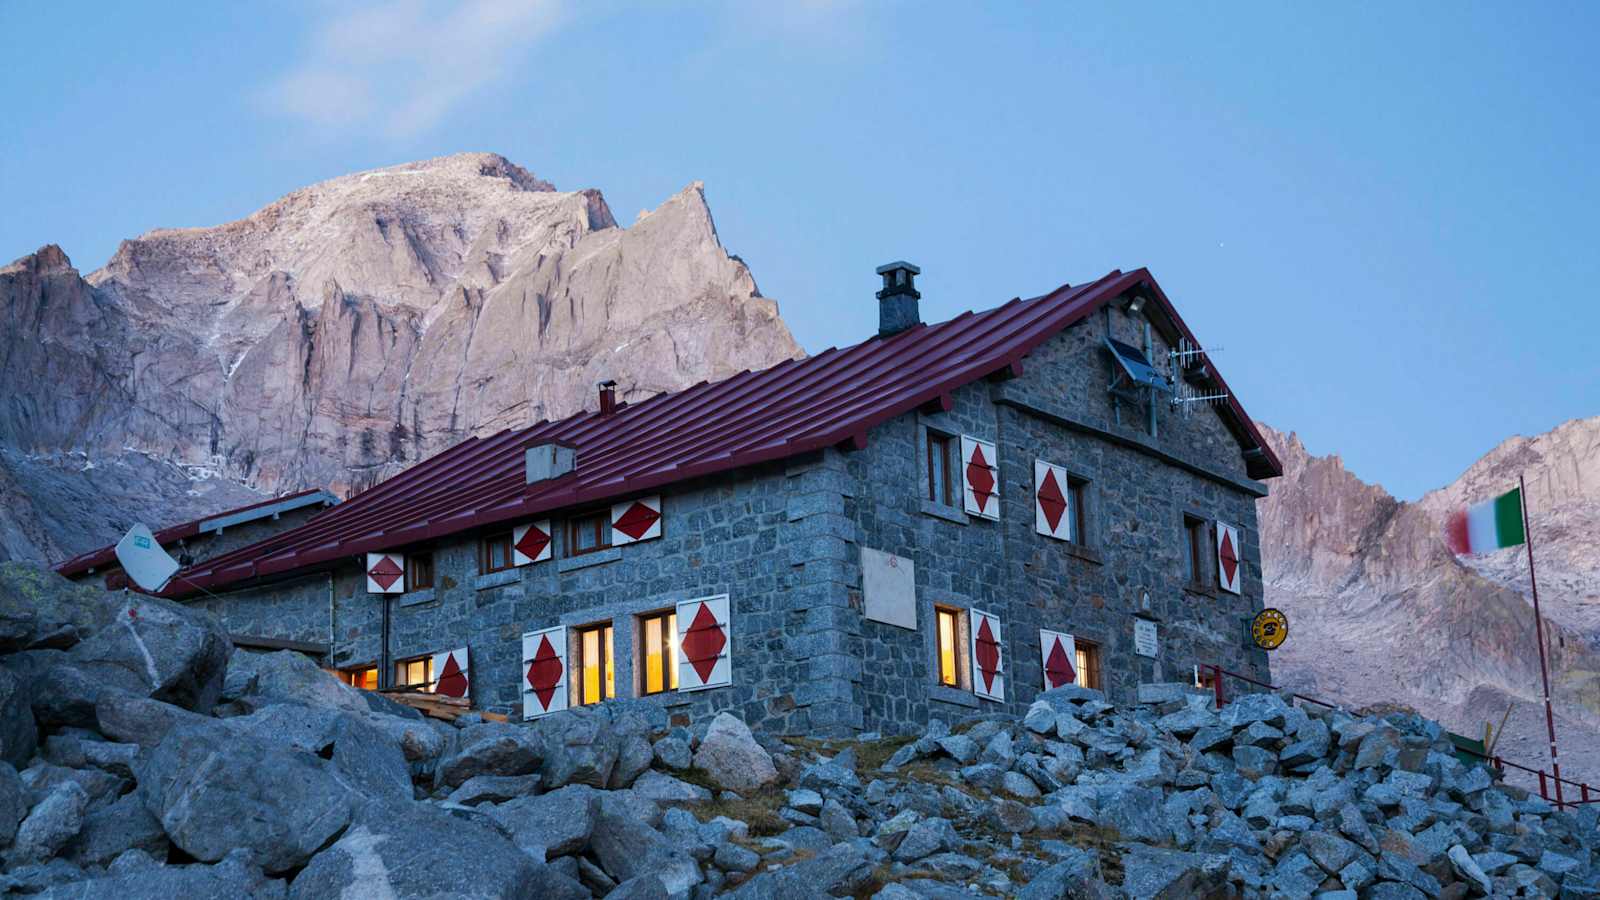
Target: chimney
{"x": 608, "y": 397}
{"x": 897, "y": 302}
{"x": 546, "y": 461}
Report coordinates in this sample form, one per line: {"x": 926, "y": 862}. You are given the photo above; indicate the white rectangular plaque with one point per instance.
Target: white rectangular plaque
{"x": 1144, "y": 637}
{"x": 888, "y": 588}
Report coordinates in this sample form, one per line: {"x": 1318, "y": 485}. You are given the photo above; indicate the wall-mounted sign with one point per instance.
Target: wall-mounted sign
{"x": 888, "y": 588}
{"x": 1145, "y": 639}
{"x": 1269, "y": 629}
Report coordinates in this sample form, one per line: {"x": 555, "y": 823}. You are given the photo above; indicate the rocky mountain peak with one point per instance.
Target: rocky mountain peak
{"x": 47, "y": 260}
{"x": 358, "y": 325}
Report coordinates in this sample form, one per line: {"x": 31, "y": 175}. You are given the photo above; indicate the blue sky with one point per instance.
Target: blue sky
{"x": 1384, "y": 213}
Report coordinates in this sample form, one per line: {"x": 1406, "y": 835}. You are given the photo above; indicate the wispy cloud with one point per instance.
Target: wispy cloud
{"x": 397, "y": 67}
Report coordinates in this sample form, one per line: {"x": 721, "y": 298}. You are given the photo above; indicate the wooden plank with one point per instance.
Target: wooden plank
{"x": 250, "y": 642}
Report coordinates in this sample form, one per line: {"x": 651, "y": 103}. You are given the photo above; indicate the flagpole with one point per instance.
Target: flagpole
{"x": 1538, "y": 625}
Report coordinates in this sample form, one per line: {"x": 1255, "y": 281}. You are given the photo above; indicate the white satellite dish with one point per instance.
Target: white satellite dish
{"x": 142, "y": 558}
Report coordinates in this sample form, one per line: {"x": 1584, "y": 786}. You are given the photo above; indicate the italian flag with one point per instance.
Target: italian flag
{"x": 1487, "y": 526}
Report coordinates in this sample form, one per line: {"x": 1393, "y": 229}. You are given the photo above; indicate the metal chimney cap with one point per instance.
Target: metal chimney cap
{"x": 899, "y": 264}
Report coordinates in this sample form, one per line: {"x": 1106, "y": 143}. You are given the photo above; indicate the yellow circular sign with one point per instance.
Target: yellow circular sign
{"x": 1269, "y": 629}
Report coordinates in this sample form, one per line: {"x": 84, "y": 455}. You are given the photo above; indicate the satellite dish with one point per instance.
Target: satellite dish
{"x": 142, "y": 558}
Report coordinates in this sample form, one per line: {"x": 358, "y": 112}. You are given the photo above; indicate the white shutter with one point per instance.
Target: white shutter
{"x": 386, "y": 573}
{"x": 450, "y": 675}
{"x": 705, "y": 644}
{"x": 1230, "y": 567}
{"x": 635, "y": 520}
{"x": 531, "y": 543}
{"x": 980, "y": 478}
{"x": 544, "y": 672}
{"x": 1053, "y": 514}
{"x": 1058, "y": 658}
{"x": 988, "y": 655}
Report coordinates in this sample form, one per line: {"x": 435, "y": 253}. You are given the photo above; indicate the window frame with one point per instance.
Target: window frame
{"x": 414, "y": 583}
{"x": 426, "y": 660}
{"x": 577, "y": 664}
{"x": 961, "y": 649}
{"x": 1088, "y": 663}
{"x": 1198, "y": 572}
{"x": 945, "y": 492}
{"x": 1078, "y": 503}
{"x": 485, "y": 559}
{"x": 602, "y": 532}
{"x": 667, "y": 621}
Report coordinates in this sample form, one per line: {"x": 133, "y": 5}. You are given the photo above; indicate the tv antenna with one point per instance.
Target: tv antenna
{"x": 1188, "y": 361}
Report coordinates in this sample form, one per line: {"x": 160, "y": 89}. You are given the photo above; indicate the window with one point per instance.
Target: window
{"x": 658, "y": 652}
{"x": 419, "y": 571}
{"x": 414, "y": 674}
{"x": 586, "y": 534}
{"x": 1195, "y": 552}
{"x": 1077, "y": 506}
{"x": 948, "y": 645}
{"x": 1088, "y": 664}
{"x": 496, "y": 554}
{"x": 940, "y": 483}
{"x": 363, "y": 677}
{"x": 592, "y": 664}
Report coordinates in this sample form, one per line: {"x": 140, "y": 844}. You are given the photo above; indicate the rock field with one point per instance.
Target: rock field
{"x": 144, "y": 757}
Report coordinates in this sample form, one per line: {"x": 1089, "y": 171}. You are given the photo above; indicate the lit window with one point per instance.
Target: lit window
{"x": 1088, "y": 664}
{"x": 419, "y": 571}
{"x": 364, "y": 677}
{"x": 948, "y": 636}
{"x": 940, "y": 489}
{"x": 593, "y": 665}
{"x": 658, "y": 648}
{"x": 414, "y": 674}
{"x": 586, "y": 534}
{"x": 496, "y": 552}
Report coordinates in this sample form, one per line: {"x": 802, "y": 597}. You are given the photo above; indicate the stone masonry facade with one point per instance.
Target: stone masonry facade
{"x": 784, "y": 541}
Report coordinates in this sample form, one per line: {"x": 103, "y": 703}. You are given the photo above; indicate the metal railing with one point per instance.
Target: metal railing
{"x": 1586, "y": 793}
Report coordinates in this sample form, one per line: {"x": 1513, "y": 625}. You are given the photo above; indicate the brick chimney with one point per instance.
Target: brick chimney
{"x": 897, "y": 302}
{"x": 608, "y": 397}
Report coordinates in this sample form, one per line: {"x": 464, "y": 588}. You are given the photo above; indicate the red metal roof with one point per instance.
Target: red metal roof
{"x": 107, "y": 555}
{"x": 753, "y": 417}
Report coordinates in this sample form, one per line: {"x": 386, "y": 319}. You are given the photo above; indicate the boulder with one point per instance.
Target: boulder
{"x": 41, "y": 778}
{"x": 418, "y": 850}
{"x": 839, "y": 870}
{"x": 365, "y": 754}
{"x": 730, "y": 755}
{"x": 235, "y": 876}
{"x": 1077, "y": 876}
{"x": 39, "y": 608}
{"x": 213, "y": 791}
{"x": 493, "y": 789}
{"x": 663, "y": 788}
{"x": 633, "y": 758}
{"x": 53, "y": 821}
{"x": 550, "y": 825}
{"x": 421, "y": 740}
{"x": 260, "y": 679}
{"x": 140, "y": 720}
{"x": 159, "y": 649}
{"x": 627, "y": 848}
{"x": 492, "y": 748}
{"x": 673, "y": 753}
{"x": 1136, "y": 813}
{"x": 579, "y": 747}
{"x": 926, "y": 838}
{"x": 113, "y": 830}
{"x": 13, "y": 803}
{"x": 19, "y": 733}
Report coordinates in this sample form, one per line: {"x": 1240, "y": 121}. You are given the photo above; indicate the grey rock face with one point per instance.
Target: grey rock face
{"x": 234, "y": 876}
{"x": 140, "y": 720}
{"x": 363, "y": 753}
{"x": 266, "y": 323}
{"x": 731, "y": 756}
{"x": 19, "y": 733}
{"x": 158, "y": 649}
{"x": 13, "y": 805}
{"x": 113, "y": 830}
{"x": 416, "y": 850}
{"x": 553, "y": 824}
{"x": 494, "y": 789}
{"x": 211, "y": 795}
{"x": 579, "y": 748}
{"x": 673, "y": 753}
{"x": 628, "y": 848}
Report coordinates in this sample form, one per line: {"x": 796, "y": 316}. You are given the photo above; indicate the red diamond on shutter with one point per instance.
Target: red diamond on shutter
{"x": 1230, "y": 559}
{"x": 544, "y": 673}
{"x": 1057, "y": 668}
{"x": 703, "y": 642}
{"x": 533, "y": 542}
{"x": 386, "y": 572}
{"x": 979, "y": 477}
{"x": 637, "y": 520}
{"x": 452, "y": 681}
{"x": 988, "y": 655}
{"x": 1051, "y": 500}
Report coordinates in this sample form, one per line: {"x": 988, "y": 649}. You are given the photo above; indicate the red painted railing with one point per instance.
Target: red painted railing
{"x": 1586, "y": 793}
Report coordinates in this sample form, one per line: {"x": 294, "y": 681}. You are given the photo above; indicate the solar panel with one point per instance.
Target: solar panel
{"x": 1136, "y": 366}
